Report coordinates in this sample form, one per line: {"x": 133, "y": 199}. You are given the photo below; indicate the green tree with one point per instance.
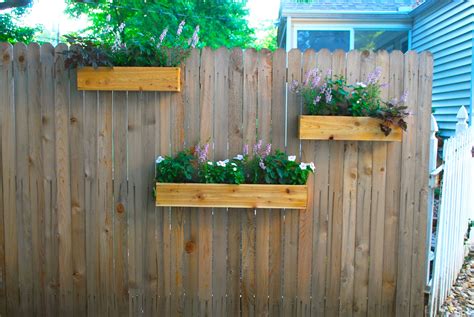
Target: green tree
{"x": 11, "y": 29}
{"x": 222, "y": 23}
{"x": 267, "y": 36}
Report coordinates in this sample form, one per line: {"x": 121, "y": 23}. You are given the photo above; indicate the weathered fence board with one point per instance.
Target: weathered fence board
{"x": 79, "y": 232}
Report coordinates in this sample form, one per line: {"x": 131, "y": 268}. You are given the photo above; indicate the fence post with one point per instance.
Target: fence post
{"x": 432, "y": 185}
{"x": 462, "y": 117}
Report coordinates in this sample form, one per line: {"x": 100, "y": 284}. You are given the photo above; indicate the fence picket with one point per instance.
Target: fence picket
{"x": 78, "y": 225}
{"x": 276, "y": 216}
{"x": 8, "y": 180}
{"x": 290, "y": 242}
{"x": 407, "y": 194}
{"x": 48, "y": 138}
{"x": 220, "y": 217}
{"x": 235, "y": 133}
{"x": 392, "y": 194}
{"x": 120, "y": 223}
{"x": 377, "y": 215}
{"x": 248, "y": 216}
{"x": 205, "y": 251}
{"x": 192, "y": 121}
{"x": 349, "y": 203}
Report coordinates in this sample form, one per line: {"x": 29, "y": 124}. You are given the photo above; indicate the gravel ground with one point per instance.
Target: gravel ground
{"x": 460, "y": 301}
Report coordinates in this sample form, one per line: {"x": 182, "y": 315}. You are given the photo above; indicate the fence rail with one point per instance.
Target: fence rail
{"x": 455, "y": 210}
{"x": 79, "y": 231}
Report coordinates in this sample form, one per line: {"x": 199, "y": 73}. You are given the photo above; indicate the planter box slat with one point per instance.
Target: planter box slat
{"x": 232, "y": 196}
{"x": 129, "y": 78}
{"x": 345, "y": 128}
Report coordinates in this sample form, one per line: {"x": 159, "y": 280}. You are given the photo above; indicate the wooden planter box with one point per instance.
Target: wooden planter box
{"x": 232, "y": 196}
{"x": 129, "y": 78}
{"x": 345, "y": 128}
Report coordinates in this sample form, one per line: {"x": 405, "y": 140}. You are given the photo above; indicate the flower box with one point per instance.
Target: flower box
{"x": 231, "y": 196}
{"x": 345, "y": 128}
{"x": 129, "y": 78}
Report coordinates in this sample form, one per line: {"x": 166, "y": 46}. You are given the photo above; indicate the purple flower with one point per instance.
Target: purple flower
{"x": 374, "y": 76}
{"x": 180, "y": 28}
{"x": 121, "y": 27}
{"x": 317, "y": 99}
{"x": 162, "y": 37}
{"x": 328, "y": 95}
{"x": 267, "y": 151}
{"x": 202, "y": 152}
{"x": 313, "y": 77}
{"x": 257, "y": 147}
{"x": 315, "y": 81}
{"x": 246, "y": 149}
{"x": 262, "y": 165}
{"x": 404, "y": 97}
{"x": 195, "y": 38}
{"x": 384, "y": 85}
{"x": 295, "y": 86}
{"x": 329, "y": 73}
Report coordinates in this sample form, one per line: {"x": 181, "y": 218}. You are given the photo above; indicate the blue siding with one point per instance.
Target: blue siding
{"x": 448, "y": 33}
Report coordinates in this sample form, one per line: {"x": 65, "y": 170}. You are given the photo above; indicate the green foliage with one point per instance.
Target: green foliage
{"x": 178, "y": 169}
{"x": 161, "y": 52}
{"x": 281, "y": 170}
{"x": 333, "y": 96}
{"x": 11, "y": 30}
{"x": 222, "y": 172}
{"x": 222, "y": 23}
{"x": 262, "y": 167}
{"x": 267, "y": 37}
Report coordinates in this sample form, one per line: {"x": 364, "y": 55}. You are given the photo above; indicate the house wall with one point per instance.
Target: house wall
{"x": 447, "y": 31}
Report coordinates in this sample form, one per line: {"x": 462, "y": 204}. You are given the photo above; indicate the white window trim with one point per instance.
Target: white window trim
{"x": 346, "y": 27}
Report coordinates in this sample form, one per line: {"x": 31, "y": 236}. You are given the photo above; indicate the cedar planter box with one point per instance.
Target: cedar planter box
{"x": 232, "y": 196}
{"x": 345, "y": 128}
{"x": 129, "y": 78}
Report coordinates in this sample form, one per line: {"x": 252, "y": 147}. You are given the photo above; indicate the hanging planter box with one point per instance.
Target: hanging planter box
{"x": 129, "y": 78}
{"x": 345, "y": 128}
{"x": 232, "y": 196}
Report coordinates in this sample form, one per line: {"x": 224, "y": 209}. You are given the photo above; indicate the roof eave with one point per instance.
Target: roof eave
{"x": 348, "y": 15}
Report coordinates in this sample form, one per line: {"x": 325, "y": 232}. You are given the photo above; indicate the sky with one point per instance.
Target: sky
{"x": 50, "y": 13}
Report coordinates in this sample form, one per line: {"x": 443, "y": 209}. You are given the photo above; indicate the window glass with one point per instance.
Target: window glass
{"x": 381, "y": 40}
{"x": 317, "y": 40}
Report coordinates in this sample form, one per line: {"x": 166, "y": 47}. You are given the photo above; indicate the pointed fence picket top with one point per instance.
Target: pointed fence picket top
{"x": 462, "y": 116}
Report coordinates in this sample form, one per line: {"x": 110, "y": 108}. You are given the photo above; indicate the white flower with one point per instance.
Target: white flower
{"x": 235, "y": 169}
{"x": 311, "y": 165}
{"x": 303, "y": 165}
{"x": 159, "y": 159}
{"x": 360, "y": 84}
{"x": 233, "y": 164}
{"x": 239, "y": 157}
{"x": 226, "y": 161}
{"x": 209, "y": 163}
{"x": 292, "y": 158}
{"x": 221, "y": 163}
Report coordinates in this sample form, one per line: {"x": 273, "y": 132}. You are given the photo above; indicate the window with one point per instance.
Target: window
{"x": 317, "y": 40}
{"x": 360, "y": 37}
{"x": 381, "y": 40}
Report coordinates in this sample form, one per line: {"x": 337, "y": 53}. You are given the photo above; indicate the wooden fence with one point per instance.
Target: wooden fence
{"x": 79, "y": 231}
